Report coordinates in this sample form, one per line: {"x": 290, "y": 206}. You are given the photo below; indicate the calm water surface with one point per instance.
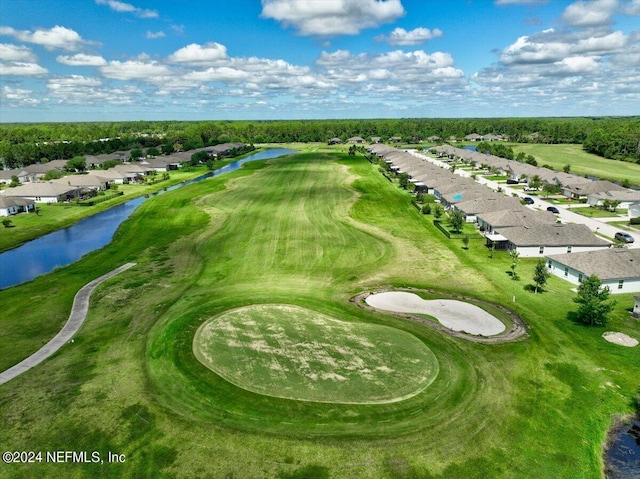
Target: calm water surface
{"x": 63, "y": 247}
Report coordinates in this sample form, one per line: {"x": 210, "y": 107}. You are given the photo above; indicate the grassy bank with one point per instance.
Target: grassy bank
{"x": 307, "y": 231}
{"x": 581, "y": 162}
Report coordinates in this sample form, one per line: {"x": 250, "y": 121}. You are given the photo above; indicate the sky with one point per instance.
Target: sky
{"x": 113, "y": 60}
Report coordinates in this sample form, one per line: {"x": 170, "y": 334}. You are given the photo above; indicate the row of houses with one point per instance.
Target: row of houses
{"x": 592, "y": 192}
{"x": 35, "y": 172}
{"x": 432, "y": 139}
{"x": 572, "y": 251}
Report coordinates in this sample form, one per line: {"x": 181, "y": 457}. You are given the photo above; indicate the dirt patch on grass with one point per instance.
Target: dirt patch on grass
{"x": 620, "y": 339}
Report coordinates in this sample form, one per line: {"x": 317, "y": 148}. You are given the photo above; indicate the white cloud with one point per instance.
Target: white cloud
{"x": 56, "y": 37}
{"x": 16, "y": 53}
{"x": 122, "y": 7}
{"x": 332, "y": 17}
{"x": 18, "y": 97}
{"x": 578, "y": 65}
{"x": 142, "y": 69}
{"x": 590, "y": 13}
{"x": 81, "y": 60}
{"x": 22, "y": 69}
{"x": 153, "y": 35}
{"x": 199, "y": 55}
{"x": 400, "y": 36}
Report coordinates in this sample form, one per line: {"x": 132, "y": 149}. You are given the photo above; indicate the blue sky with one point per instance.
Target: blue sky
{"x": 100, "y": 60}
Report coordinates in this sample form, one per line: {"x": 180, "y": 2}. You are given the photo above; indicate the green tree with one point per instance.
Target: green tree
{"x": 77, "y": 163}
{"x": 456, "y": 221}
{"x": 403, "y": 178}
{"x": 136, "y": 154}
{"x": 540, "y": 274}
{"x": 592, "y": 299}
{"x": 14, "y": 181}
{"x": 52, "y": 175}
{"x": 437, "y": 212}
{"x": 566, "y": 168}
{"x": 535, "y": 182}
{"x": 514, "y": 255}
{"x": 153, "y": 151}
{"x": 6, "y": 223}
{"x": 550, "y": 189}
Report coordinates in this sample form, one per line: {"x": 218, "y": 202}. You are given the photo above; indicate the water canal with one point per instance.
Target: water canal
{"x": 68, "y": 245}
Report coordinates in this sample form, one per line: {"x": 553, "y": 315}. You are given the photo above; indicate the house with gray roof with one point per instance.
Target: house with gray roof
{"x": 492, "y": 202}
{"x": 12, "y": 206}
{"x": 585, "y": 188}
{"x": 544, "y": 239}
{"x": 490, "y": 221}
{"x": 636, "y": 306}
{"x": 617, "y": 268}
{"x": 89, "y": 182}
{"x": 626, "y": 198}
{"x": 43, "y": 192}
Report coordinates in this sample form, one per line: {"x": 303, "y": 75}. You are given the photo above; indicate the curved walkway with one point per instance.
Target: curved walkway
{"x": 76, "y": 318}
{"x": 518, "y": 331}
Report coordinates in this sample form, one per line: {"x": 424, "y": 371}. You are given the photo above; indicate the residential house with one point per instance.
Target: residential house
{"x": 491, "y": 202}
{"x": 625, "y": 198}
{"x": 617, "y": 268}
{"x": 544, "y": 239}
{"x": 636, "y": 307}
{"x": 43, "y": 192}
{"x": 12, "y": 206}
{"x": 335, "y": 141}
{"x": 585, "y": 188}
{"x": 90, "y": 182}
{"x": 355, "y": 139}
{"x": 38, "y": 170}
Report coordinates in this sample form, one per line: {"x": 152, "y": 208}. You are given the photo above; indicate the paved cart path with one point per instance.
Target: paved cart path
{"x": 76, "y": 318}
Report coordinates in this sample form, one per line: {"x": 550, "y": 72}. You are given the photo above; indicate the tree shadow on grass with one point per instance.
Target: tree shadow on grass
{"x": 531, "y": 288}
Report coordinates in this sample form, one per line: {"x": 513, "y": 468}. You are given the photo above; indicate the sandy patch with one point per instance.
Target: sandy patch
{"x": 620, "y": 339}
{"x": 453, "y": 314}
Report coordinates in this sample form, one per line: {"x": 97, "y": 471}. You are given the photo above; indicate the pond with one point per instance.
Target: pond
{"x": 622, "y": 459}
{"x": 65, "y": 246}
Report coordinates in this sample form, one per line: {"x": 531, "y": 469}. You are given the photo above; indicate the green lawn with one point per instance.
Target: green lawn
{"x": 598, "y": 212}
{"x": 307, "y": 231}
{"x": 581, "y": 162}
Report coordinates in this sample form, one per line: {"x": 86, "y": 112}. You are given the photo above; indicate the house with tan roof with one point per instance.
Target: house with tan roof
{"x": 617, "y": 268}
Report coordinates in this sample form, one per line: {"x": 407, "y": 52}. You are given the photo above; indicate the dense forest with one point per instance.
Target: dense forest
{"x": 23, "y": 144}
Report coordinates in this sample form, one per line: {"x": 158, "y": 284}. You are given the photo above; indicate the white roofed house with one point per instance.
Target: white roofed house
{"x": 540, "y": 240}
{"x": 617, "y": 268}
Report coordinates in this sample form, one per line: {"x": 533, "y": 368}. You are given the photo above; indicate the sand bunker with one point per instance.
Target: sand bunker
{"x": 620, "y": 338}
{"x": 453, "y": 314}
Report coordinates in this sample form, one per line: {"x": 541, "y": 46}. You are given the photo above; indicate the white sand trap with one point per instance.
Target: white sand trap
{"x": 620, "y": 338}
{"x": 453, "y": 314}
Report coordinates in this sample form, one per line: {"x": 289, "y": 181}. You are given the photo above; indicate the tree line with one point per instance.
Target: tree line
{"x": 23, "y": 144}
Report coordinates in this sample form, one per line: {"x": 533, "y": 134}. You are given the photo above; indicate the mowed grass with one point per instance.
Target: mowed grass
{"x": 295, "y": 353}
{"x": 581, "y": 162}
{"x": 307, "y": 231}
